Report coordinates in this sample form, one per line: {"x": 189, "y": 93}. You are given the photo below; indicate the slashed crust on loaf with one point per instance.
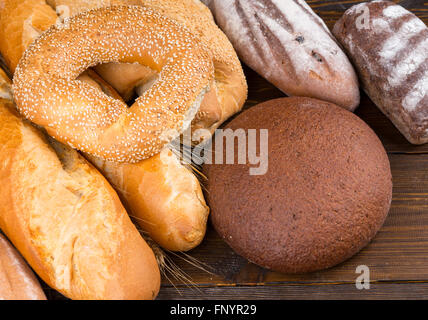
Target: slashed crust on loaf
{"x": 289, "y": 45}
{"x": 390, "y": 52}
{"x": 21, "y": 23}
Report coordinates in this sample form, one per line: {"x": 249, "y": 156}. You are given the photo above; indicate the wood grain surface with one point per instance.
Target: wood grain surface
{"x": 397, "y": 257}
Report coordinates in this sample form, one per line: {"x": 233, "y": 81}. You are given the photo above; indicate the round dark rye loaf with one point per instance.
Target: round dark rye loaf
{"x": 326, "y": 193}
{"x": 389, "y": 48}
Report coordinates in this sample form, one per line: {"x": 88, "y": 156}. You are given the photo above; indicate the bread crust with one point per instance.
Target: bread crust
{"x": 181, "y": 219}
{"x": 228, "y": 91}
{"x": 21, "y": 22}
{"x": 161, "y": 194}
{"x": 326, "y": 193}
{"x": 17, "y": 281}
{"x": 66, "y": 220}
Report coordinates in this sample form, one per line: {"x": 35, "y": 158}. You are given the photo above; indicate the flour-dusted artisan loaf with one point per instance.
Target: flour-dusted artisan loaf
{"x": 326, "y": 193}
{"x": 389, "y": 47}
{"x": 289, "y": 45}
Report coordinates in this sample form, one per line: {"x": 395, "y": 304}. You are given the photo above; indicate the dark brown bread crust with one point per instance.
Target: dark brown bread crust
{"x": 390, "y": 52}
{"x": 326, "y": 194}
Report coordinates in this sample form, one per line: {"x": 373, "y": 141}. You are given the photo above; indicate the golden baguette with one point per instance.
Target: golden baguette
{"x": 164, "y": 197}
{"x": 66, "y": 220}
{"x": 21, "y": 22}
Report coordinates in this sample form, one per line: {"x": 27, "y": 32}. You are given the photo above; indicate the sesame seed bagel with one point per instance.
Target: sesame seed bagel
{"x": 228, "y": 90}
{"x": 47, "y": 92}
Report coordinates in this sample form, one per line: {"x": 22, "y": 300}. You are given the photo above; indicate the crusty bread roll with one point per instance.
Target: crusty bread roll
{"x": 66, "y": 220}
{"x": 17, "y": 281}
{"x": 162, "y": 195}
{"x": 179, "y": 211}
{"x": 229, "y": 89}
{"x": 289, "y": 45}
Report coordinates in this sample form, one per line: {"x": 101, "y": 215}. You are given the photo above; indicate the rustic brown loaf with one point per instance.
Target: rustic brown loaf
{"x": 390, "y": 51}
{"x": 66, "y": 220}
{"x": 289, "y": 45}
{"x": 326, "y": 193}
{"x": 173, "y": 212}
{"x": 229, "y": 90}
{"x": 17, "y": 281}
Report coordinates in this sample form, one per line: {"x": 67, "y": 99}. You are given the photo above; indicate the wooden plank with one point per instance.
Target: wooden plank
{"x": 377, "y": 291}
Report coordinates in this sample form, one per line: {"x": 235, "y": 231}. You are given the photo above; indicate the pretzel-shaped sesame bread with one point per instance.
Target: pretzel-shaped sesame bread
{"x": 47, "y": 92}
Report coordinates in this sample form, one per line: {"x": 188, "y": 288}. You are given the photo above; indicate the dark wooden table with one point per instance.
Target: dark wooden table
{"x": 397, "y": 257}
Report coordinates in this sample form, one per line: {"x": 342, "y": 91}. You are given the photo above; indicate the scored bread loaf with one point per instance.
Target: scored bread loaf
{"x": 389, "y": 47}
{"x": 289, "y": 45}
{"x": 66, "y": 220}
{"x": 17, "y": 281}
